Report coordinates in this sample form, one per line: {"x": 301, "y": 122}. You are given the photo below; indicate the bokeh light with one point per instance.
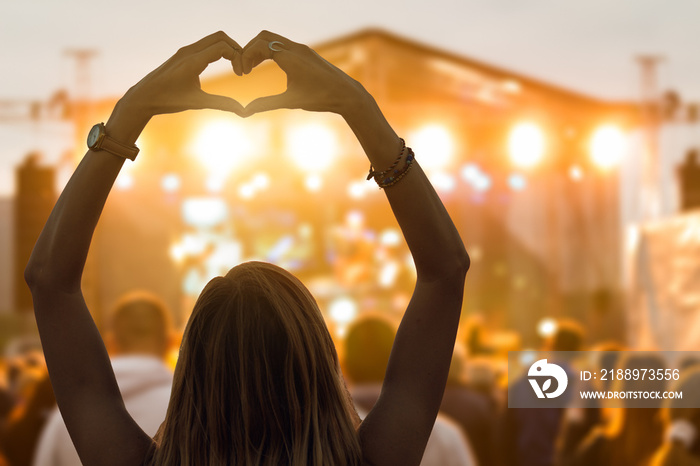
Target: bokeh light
{"x": 222, "y": 145}
{"x": 526, "y": 144}
{"x": 576, "y": 173}
{"x": 547, "y": 327}
{"x": 204, "y": 212}
{"x": 472, "y": 174}
{"x": 482, "y": 183}
{"x": 312, "y": 146}
{"x": 170, "y": 182}
{"x": 356, "y": 189}
{"x": 342, "y": 310}
{"x": 124, "y": 181}
{"x": 260, "y": 181}
{"x": 246, "y": 191}
{"x": 390, "y": 237}
{"x": 443, "y": 182}
{"x": 517, "y": 182}
{"x": 433, "y": 145}
{"x": 608, "y": 145}
{"x": 313, "y": 182}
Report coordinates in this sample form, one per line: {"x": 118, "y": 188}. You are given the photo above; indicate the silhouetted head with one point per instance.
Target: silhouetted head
{"x": 258, "y": 380}
{"x": 368, "y": 344}
{"x": 139, "y": 324}
{"x": 568, "y": 336}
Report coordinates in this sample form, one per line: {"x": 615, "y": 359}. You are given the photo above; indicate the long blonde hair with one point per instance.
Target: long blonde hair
{"x": 258, "y": 380}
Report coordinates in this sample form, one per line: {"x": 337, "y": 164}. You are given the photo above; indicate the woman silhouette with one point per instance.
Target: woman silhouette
{"x": 258, "y": 379}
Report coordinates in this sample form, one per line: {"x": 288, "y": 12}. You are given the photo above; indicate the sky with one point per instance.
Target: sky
{"x": 586, "y": 46}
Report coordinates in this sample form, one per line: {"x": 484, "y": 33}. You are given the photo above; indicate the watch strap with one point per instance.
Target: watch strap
{"x": 99, "y": 140}
{"x": 117, "y": 148}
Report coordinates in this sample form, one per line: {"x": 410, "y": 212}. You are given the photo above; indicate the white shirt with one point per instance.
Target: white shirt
{"x": 447, "y": 445}
{"x": 145, "y": 383}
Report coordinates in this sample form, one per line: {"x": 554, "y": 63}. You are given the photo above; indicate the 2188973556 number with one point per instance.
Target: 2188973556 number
{"x": 639, "y": 374}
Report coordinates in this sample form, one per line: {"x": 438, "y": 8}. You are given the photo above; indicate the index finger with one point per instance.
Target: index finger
{"x": 211, "y": 39}
{"x": 259, "y": 50}
{"x": 212, "y": 53}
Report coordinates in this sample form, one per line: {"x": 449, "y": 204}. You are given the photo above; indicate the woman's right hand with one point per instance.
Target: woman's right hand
{"x": 313, "y": 83}
{"x": 175, "y": 87}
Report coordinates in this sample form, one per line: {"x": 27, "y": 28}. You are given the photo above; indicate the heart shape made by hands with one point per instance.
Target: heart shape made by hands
{"x": 264, "y": 80}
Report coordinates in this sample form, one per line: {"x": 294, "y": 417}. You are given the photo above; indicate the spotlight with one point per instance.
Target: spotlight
{"x": 312, "y": 146}
{"x": 526, "y": 144}
{"x": 608, "y": 145}
{"x": 433, "y": 145}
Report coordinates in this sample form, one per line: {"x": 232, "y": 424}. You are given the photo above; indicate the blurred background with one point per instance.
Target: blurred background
{"x": 561, "y": 136}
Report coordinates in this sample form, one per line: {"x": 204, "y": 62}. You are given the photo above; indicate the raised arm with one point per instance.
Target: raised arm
{"x": 397, "y": 429}
{"x": 79, "y": 367}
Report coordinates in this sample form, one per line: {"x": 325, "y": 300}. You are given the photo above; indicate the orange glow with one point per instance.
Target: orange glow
{"x": 575, "y": 173}
{"x": 313, "y": 183}
{"x": 547, "y": 327}
{"x": 607, "y": 146}
{"x": 433, "y": 145}
{"x": 312, "y": 146}
{"x": 222, "y": 145}
{"x": 125, "y": 180}
{"x": 526, "y": 144}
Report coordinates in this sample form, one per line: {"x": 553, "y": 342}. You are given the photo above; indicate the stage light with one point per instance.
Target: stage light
{"x": 223, "y": 145}
{"x": 390, "y": 237}
{"x": 215, "y": 184}
{"x": 607, "y": 146}
{"x": 312, "y": 146}
{"x": 355, "y": 220}
{"x": 246, "y": 191}
{"x": 313, "y": 183}
{"x": 124, "y": 181}
{"x": 193, "y": 244}
{"x": 575, "y": 173}
{"x": 477, "y": 179}
{"x": 470, "y": 172}
{"x": 305, "y": 230}
{"x": 177, "y": 253}
{"x": 482, "y": 183}
{"x": 512, "y": 86}
{"x": 260, "y": 181}
{"x": 443, "y": 182}
{"x": 204, "y": 212}
{"x": 343, "y": 310}
{"x": 526, "y": 144}
{"x": 527, "y": 357}
{"x": 433, "y": 146}
{"x": 356, "y": 189}
{"x": 547, "y": 327}
{"x": 388, "y": 274}
{"x": 170, "y": 183}
{"x": 517, "y": 182}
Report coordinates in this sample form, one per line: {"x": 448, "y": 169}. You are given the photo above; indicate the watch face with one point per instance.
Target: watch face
{"x": 94, "y": 136}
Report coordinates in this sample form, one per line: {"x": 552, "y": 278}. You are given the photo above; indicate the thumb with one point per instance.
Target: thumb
{"x": 218, "y": 102}
{"x": 270, "y": 102}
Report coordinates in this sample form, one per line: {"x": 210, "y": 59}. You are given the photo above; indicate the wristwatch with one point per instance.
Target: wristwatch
{"x": 99, "y": 140}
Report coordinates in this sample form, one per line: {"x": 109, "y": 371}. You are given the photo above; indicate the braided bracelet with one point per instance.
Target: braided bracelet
{"x": 376, "y": 175}
{"x": 398, "y": 175}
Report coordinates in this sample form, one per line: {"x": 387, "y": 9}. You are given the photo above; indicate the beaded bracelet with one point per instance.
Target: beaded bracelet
{"x": 397, "y": 175}
{"x": 376, "y": 175}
